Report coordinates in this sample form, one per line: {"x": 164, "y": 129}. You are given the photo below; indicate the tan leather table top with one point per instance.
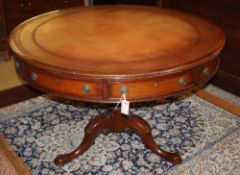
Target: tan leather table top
{"x": 98, "y": 53}
{"x": 119, "y": 40}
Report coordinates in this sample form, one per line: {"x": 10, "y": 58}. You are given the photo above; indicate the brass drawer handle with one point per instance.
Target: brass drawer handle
{"x": 17, "y": 64}
{"x": 66, "y": 1}
{"x": 182, "y": 81}
{"x": 86, "y": 89}
{"x": 26, "y": 5}
{"x": 124, "y": 90}
{"x": 206, "y": 71}
{"x": 34, "y": 76}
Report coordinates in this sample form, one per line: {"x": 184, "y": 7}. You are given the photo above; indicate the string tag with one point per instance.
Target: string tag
{"x": 125, "y": 106}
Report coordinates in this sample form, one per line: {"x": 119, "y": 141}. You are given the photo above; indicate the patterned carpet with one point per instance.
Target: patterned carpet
{"x": 207, "y": 137}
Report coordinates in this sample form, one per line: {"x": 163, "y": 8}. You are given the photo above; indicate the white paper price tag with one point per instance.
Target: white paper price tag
{"x": 125, "y": 107}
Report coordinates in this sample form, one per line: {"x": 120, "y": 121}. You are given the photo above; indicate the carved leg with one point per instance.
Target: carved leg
{"x": 116, "y": 122}
{"x": 143, "y": 129}
{"x": 92, "y": 130}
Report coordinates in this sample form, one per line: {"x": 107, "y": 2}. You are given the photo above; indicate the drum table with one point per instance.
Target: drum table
{"x": 96, "y": 54}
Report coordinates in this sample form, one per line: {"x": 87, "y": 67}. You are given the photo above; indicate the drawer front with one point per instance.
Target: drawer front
{"x": 150, "y": 88}
{"x": 17, "y": 11}
{"x": 22, "y": 8}
{"x": 208, "y": 70}
{"x": 65, "y": 86}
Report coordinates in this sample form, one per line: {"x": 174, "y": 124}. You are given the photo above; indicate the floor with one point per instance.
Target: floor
{"x": 8, "y": 76}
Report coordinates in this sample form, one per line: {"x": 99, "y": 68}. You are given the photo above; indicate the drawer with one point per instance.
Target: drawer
{"x": 65, "y": 86}
{"x": 151, "y": 88}
{"x": 24, "y": 9}
{"x": 208, "y": 70}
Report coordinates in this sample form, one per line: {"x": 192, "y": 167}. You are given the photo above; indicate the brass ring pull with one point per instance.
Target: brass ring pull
{"x": 182, "y": 81}
{"x": 26, "y": 5}
{"x": 66, "y": 1}
{"x": 206, "y": 71}
{"x": 124, "y": 90}
{"x": 86, "y": 89}
{"x": 34, "y": 76}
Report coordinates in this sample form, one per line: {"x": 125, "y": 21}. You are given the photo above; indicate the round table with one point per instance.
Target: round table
{"x": 96, "y": 54}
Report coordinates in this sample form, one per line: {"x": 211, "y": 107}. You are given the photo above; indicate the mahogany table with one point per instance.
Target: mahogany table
{"x": 96, "y": 54}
